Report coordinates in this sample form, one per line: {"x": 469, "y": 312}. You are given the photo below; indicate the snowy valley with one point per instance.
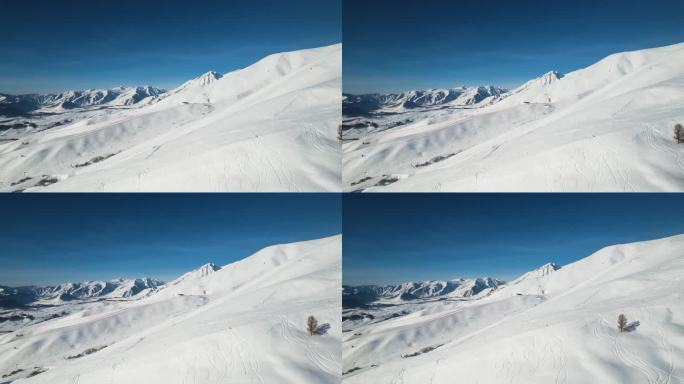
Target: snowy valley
{"x": 243, "y": 322}
{"x": 271, "y": 126}
{"x": 552, "y": 325}
{"x": 607, "y": 127}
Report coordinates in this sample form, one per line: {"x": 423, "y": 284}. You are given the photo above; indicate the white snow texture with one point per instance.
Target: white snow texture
{"x": 269, "y": 127}
{"x": 241, "y": 323}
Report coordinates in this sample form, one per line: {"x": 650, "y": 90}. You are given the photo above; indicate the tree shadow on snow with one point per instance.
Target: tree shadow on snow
{"x": 631, "y": 327}
{"x": 323, "y": 329}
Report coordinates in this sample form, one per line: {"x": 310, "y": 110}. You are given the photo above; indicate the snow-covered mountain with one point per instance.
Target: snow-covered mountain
{"x": 119, "y": 288}
{"x": 395, "y": 102}
{"x": 200, "y": 272}
{"x": 542, "y": 81}
{"x": 542, "y": 271}
{"x": 364, "y": 294}
{"x": 271, "y": 126}
{"x": 11, "y": 105}
{"x": 607, "y": 127}
{"x": 550, "y": 325}
{"x": 244, "y": 322}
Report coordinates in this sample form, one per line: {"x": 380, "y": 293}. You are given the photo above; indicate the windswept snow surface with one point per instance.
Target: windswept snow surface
{"x": 552, "y": 325}
{"x": 269, "y": 127}
{"x": 607, "y": 127}
{"x": 240, "y": 323}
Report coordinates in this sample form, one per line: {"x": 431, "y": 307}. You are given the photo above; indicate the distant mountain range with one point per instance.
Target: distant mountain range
{"x": 119, "y": 288}
{"x": 369, "y": 103}
{"x": 362, "y": 295}
{"x": 354, "y": 296}
{"x": 355, "y": 105}
{"x": 17, "y": 105}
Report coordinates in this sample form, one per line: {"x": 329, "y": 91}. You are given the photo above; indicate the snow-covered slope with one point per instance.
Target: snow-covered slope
{"x": 269, "y": 127}
{"x": 607, "y": 127}
{"x": 552, "y": 326}
{"x": 241, "y": 323}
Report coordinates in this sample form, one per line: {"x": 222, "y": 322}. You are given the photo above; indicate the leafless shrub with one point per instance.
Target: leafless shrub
{"x": 679, "y": 133}
{"x": 21, "y": 181}
{"x": 12, "y": 373}
{"x": 311, "y": 325}
{"x": 622, "y": 322}
{"x": 94, "y": 160}
{"x": 350, "y": 370}
{"x": 87, "y": 352}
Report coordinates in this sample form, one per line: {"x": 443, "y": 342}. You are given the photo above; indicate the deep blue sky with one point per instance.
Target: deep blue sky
{"x": 50, "y": 46}
{"x": 392, "y": 46}
{"x": 392, "y": 238}
{"x": 54, "y": 238}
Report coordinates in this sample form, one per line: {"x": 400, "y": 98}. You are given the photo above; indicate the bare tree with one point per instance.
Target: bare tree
{"x": 622, "y": 322}
{"x": 311, "y": 325}
{"x": 679, "y": 133}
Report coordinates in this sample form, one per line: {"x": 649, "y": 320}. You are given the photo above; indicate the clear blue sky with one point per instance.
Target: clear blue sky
{"x": 392, "y": 238}
{"x": 392, "y": 46}
{"x": 50, "y": 46}
{"x": 54, "y": 238}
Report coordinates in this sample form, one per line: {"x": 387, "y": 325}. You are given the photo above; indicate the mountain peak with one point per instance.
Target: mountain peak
{"x": 198, "y": 273}
{"x": 548, "y": 78}
{"x": 542, "y": 271}
{"x": 544, "y": 80}
{"x": 207, "y": 269}
{"x": 548, "y": 268}
{"x": 208, "y": 78}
